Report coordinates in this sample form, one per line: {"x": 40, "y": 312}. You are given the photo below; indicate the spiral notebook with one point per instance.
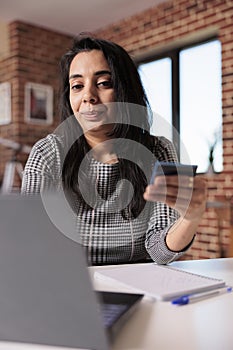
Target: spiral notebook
{"x": 159, "y": 281}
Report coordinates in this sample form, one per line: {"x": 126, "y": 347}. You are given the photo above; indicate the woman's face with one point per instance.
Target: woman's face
{"x": 91, "y": 90}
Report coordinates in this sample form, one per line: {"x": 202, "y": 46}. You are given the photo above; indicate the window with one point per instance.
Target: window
{"x": 184, "y": 89}
{"x": 156, "y": 78}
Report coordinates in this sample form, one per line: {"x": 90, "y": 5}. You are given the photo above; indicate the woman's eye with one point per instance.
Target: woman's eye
{"x": 76, "y": 87}
{"x": 105, "y": 83}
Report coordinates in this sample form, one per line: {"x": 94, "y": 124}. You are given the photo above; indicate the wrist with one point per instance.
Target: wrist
{"x": 181, "y": 234}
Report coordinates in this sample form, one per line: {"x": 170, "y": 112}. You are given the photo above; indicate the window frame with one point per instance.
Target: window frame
{"x": 174, "y": 54}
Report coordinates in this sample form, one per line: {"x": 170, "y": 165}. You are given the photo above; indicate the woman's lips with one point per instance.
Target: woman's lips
{"x": 91, "y": 115}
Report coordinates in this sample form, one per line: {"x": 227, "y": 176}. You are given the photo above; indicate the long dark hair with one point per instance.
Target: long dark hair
{"x": 135, "y": 126}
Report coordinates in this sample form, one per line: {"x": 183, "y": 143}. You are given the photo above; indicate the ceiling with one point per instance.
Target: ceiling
{"x": 72, "y": 16}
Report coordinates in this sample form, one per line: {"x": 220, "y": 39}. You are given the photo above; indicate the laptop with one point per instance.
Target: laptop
{"x": 46, "y": 294}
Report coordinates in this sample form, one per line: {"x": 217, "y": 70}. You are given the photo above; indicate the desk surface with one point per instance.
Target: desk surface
{"x": 204, "y": 325}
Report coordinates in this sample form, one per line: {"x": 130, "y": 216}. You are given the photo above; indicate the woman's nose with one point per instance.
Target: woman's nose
{"x": 89, "y": 96}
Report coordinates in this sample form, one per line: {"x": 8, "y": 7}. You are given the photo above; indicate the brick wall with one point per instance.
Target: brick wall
{"x": 34, "y": 57}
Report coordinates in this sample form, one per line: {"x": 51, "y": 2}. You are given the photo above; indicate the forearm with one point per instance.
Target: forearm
{"x": 181, "y": 234}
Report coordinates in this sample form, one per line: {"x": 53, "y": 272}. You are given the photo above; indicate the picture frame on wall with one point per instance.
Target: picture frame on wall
{"x": 5, "y": 103}
{"x": 38, "y": 103}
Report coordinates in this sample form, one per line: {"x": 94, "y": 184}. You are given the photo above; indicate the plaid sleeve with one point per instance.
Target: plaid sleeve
{"x": 164, "y": 150}
{"x": 41, "y": 169}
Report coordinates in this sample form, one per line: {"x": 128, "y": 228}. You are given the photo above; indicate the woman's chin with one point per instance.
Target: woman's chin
{"x": 99, "y": 127}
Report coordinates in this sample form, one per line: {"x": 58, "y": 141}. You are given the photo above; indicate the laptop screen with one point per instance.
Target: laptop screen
{"x": 46, "y": 296}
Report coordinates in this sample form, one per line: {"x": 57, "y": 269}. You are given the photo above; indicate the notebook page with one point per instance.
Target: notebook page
{"x": 159, "y": 281}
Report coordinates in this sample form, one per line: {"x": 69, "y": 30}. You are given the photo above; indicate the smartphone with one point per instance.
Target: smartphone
{"x": 170, "y": 168}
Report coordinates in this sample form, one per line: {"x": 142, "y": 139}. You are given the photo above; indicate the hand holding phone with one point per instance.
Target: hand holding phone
{"x": 171, "y": 168}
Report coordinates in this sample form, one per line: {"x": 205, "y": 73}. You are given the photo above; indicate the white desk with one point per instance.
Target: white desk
{"x": 204, "y": 325}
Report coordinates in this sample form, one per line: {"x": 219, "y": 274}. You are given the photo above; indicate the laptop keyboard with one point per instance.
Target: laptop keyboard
{"x": 111, "y": 312}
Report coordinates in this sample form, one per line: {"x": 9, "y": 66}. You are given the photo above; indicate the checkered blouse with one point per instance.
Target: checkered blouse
{"x": 106, "y": 236}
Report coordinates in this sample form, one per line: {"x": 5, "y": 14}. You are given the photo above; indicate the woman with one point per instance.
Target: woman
{"x": 103, "y": 156}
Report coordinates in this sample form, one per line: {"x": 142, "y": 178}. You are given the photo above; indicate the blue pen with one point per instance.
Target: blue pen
{"x": 187, "y": 299}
